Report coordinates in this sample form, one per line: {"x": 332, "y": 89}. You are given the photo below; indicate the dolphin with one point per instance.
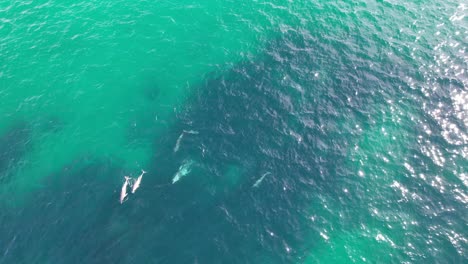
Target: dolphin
{"x": 123, "y": 192}
{"x": 176, "y": 148}
{"x": 184, "y": 169}
{"x": 191, "y": 132}
{"x": 177, "y": 145}
{"x": 137, "y": 182}
{"x": 257, "y": 183}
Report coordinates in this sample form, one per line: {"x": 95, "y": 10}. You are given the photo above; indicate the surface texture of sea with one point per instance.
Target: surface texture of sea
{"x": 271, "y": 131}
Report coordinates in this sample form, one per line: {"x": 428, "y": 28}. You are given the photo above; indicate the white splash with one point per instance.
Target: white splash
{"x": 184, "y": 169}
{"x": 137, "y": 182}
{"x": 257, "y": 183}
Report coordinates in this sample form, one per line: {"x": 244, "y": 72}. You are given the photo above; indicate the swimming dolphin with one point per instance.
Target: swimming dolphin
{"x": 257, "y": 183}
{"x": 123, "y": 192}
{"x": 184, "y": 169}
{"x": 191, "y": 132}
{"x": 176, "y": 148}
{"x": 137, "y": 182}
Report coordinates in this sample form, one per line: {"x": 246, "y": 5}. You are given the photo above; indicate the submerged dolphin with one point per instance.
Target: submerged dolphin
{"x": 184, "y": 169}
{"x": 191, "y": 132}
{"x": 137, "y": 182}
{"x": 176, "y": 148}
{"x": 177, "y": 145}
{"x": 257, "y": 183}
{"x": 123, "y": 192}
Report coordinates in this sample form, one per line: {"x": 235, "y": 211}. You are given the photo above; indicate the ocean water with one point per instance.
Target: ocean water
{"x": 270, "y": 131}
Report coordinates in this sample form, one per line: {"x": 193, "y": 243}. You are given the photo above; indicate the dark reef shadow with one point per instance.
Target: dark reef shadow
{"x": 14, "y": 143}
{"x": 264, "y": 115}
{"x": 19, "y": 138}
{"x": 74, "y": 217}
{"x": 152, "y": 93}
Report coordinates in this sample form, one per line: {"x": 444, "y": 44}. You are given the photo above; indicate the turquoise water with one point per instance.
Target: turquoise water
{"x": 271, "y": 132}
